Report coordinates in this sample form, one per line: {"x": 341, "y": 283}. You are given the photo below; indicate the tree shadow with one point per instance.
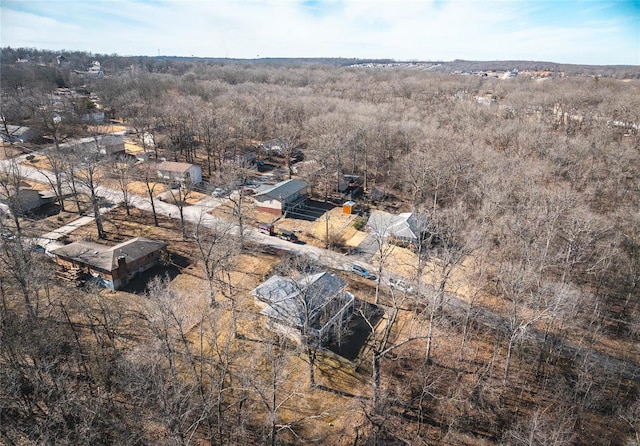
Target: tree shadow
{"x": 140, "y": 283}
{"x": 356, "y": 331}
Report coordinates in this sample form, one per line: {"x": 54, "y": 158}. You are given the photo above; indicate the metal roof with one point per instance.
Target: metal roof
{"x": 281, "y": 190}
{"x": 407, "y": 225}
{"x": 294, "y": 301}
{"x": 172, "y": 166}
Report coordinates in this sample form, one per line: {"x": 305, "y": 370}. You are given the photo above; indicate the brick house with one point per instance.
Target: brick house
{"x": 112, "y": 266}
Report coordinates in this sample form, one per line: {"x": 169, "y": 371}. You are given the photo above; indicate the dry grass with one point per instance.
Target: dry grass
{"x": 140, "y": 188}
{"x": 39, "y": 162}
{"x": 106, "y": 128}
{"x": 132, "y": 148}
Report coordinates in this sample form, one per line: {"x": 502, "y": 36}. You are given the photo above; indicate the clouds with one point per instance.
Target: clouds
{"x": 572, "y": 32}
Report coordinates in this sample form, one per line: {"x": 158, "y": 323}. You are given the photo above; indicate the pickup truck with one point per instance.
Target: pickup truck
{"x": 268, "y": 228}
{"x": 288, "y": 236}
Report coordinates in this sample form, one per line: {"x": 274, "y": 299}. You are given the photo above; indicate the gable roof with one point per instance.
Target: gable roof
{"x": 172, "y": 166}
{"x": 407, "y": 225}
{"x": 100, "y": 142}
{"x": 281, "y": 190}
{"x": 288, "y": 298}
{"x": 106, "y": 257}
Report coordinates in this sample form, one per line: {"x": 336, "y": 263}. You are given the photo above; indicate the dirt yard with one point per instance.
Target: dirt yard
{"x": 8, "y": 151}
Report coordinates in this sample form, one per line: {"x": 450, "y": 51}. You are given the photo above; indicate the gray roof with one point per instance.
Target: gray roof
{"x": 287, "y": 298}
{"x": 173, "y": 166}
{"x": 18, "y": 133}
{"x": 407, "y": 225}
{"x": 106, "y": 257}
{"x": 101, "y": 142}
{"x": 281, "y": 190}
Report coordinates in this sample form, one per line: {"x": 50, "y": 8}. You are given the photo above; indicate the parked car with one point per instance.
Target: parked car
{"x": 219, "y": 192}
{"x": 288, "y": 236}
{"x": 363, "y": 272}
{"x": 399, "y": 284}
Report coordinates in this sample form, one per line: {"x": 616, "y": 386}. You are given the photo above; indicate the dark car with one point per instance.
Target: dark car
{"x": 288, "y": 236}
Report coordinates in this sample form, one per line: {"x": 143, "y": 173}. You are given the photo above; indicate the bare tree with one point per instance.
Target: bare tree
{"x": 124, "y": 169}
{"x": 179, "y": 197}
{"x": 215, "y": 246}
{"x": 11, "y": 184}
{"x": 151, "y": 183}
{"x": 271, "y": 380}
{"x": 235, "y": 177}
{"x": 87, "y": 172}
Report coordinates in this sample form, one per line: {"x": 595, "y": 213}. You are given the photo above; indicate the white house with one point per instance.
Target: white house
{"x": 317, "y": 303}
{"x": 281, "y": 197}
{"x": 180, "y": 172}
{"x": 407, "y": 227}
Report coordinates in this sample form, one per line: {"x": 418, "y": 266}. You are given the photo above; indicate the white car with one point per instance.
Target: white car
{"x": 399, "y": 284}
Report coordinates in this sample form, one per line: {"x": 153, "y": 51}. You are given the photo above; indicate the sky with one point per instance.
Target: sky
{"x": 578, "y": 32}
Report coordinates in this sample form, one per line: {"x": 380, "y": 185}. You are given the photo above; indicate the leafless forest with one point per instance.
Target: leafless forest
{"x": 528, "y": 334}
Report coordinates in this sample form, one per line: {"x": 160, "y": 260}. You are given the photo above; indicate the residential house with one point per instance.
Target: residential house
{"x": 317, "y": 305}
{"x": 112, "y": 266}
{"x": 111, "y": 145}
{"x": 242, "y": 156}
{"x": 183, "y": 173}
{"x": 281, "y": 197}
{"x": 406, "y": 227}
{"x": 93, "y": 116}
{"x": 26, "y": 200}
{"x": 17, "y": 133}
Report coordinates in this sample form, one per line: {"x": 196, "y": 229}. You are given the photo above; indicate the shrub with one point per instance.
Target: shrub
{"x": 360, "y": 223}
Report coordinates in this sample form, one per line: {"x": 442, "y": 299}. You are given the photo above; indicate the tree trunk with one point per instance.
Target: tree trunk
{"x": 376, "y": 382}
{"x": 97, "y": 217}
{"x": 311, "y": 356}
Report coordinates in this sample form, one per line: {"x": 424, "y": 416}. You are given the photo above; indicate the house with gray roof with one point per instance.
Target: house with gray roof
{"x": 111, "y": 145}
{"x": 17, "y": 133}
{"x": 316, "y": 304}
{"x": 407, "y": 226}
{"x": 281, "y": 197}
{"x": 112, "y": 266}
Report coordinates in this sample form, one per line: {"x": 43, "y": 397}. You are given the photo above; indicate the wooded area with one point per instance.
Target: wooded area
{"x": 526, "y": 331}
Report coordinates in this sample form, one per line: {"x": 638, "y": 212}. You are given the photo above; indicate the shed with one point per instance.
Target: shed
{"x": 347, "y": 207}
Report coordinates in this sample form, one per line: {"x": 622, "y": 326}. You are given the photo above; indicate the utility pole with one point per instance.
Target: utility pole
{"x": 327, "y": 216}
